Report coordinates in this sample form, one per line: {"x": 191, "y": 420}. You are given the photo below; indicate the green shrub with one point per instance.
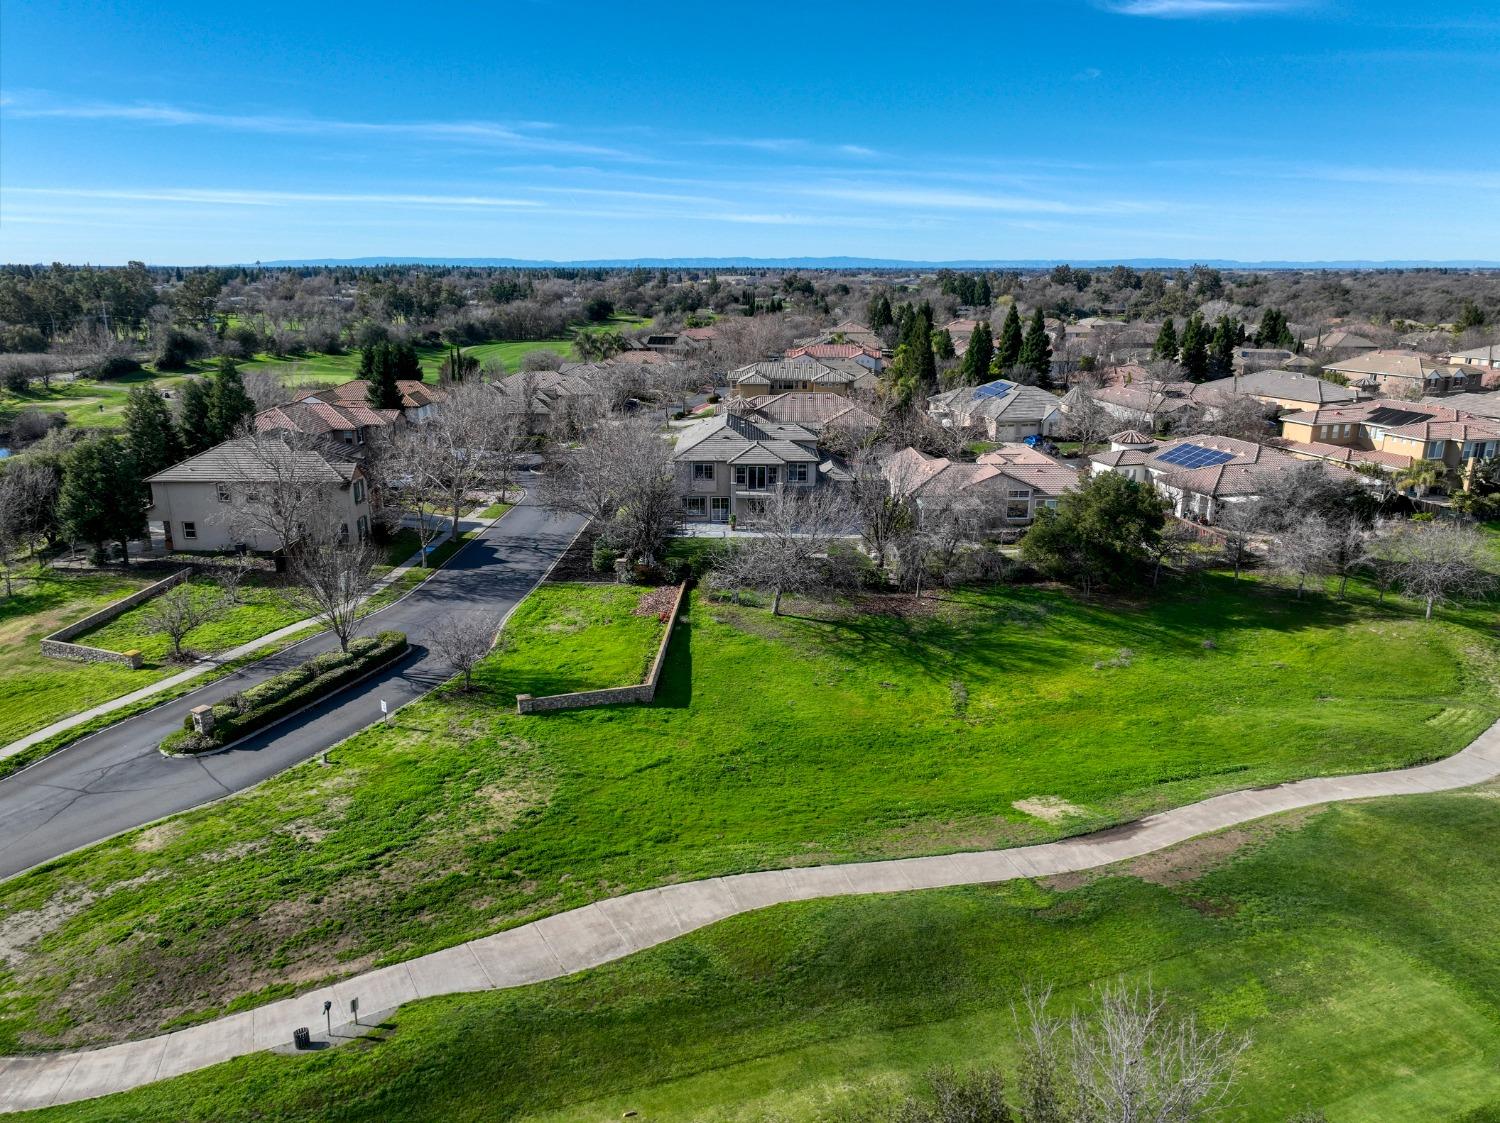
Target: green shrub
{"x": 260, "y": 705}
{"x": 604, "y": 557}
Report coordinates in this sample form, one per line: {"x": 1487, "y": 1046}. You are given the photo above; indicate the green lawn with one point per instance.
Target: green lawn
{"x": 85, "y": 403}
{"x": 264, "y": 604}
{"x": 773, "y": 741}
{"x": 1355, "y": 944}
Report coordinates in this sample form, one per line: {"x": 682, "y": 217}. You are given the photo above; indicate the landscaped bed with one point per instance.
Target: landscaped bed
{"x": 989, "y": 719}
{"x": 268, "y": 702}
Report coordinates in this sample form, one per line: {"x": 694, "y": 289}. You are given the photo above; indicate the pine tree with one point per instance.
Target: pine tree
{"x": 1008, "y": 353}
{"x": 408, "y": 366}
{"x": 151, "y": 437}
{"x": 942, "y": 344}
{"x": 879, "y": 312}
{"x": 383, "y": 393}
{"x": 1194, "y": 350}
{"x": 975, "y": 370}
{"x": 1036, "y": 350}
{"x": 195, "y": 418}
{"x": 102, "y": 499}
{"x": 229, "y": 406}
{"x": 1166, "y": 342}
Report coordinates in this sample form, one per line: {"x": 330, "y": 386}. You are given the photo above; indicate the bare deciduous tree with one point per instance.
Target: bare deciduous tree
{"x": 1440, "y": 562}
{"x": 278, "y": 482}
{"x": 333, "y": 576}
{"x": 469, "y": 443}
{"x": 1304, "y": 550}
{"x": 623, "y": 478}
{"x": 788, "y": 553}
{"x": 179, "y": 610}
{"x": 462, "y": 640}
{"x": 26, "y": 490}
{"x": 1088, "y": 422}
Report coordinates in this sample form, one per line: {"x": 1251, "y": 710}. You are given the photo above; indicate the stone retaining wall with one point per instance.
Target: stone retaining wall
{"x": 56, "y": 646}
{"x": 640, "y": 692}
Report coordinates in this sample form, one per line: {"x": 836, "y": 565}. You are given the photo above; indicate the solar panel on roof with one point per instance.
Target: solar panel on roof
{"x": 1195, "y": 456}
{"x": 993, "y": 390}
{"x": 1389, "y": 415}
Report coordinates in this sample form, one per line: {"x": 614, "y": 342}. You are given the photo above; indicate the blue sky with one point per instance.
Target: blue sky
{"x": 184, "y": 132}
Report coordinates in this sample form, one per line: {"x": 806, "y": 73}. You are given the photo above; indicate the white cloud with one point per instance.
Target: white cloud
{"x": 857, "y": 150}
{"x": 250, "y": 198}
{"x": 940, "y": 199}
{"x": 1186, "y": 9}
{"x": 471, "y": 132}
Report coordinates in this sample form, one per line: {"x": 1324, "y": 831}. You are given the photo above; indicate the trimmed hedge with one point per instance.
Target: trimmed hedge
{"x": 260, "y": 705}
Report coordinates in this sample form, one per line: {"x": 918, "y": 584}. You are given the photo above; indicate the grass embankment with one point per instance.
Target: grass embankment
{"x": 36, "y": 691}
{"x": 1003, "y": 717}
{"x": 1354, "y": 943}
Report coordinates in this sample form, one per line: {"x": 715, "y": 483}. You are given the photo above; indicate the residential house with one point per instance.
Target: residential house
{"x": 546, "y": 399}
{"x": 727, "y": 466}
{"x": 867, "y": 357}
{"x": 850, "y": 331}
{"x": 192, "y": 500}
{"x": 814, "y": 412}
{"x": 1007, "y": 487}
{"x": 1001, "y": 410}
{"x": 1283, "y": 388}
{"x": 1337, "y": 343}
{"x": 348, "y": 423}
{"x": 1403, "y": 430}
{"x": 779, "y": 376}
{"x": 1404, "y": 374}
{"x": 418, "y": 400}
{"x": 1486, "y": 357}
{"x": 1155, "y": 405}
{"x": 1198, "y": 475}
{"x": 1249, "y": 359}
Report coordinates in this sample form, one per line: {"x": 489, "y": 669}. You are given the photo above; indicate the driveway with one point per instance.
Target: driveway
{"x": 116, "y": 779}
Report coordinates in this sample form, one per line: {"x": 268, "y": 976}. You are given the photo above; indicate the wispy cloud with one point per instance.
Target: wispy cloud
{"x": 940, "y": 199}
{"x": 250, "y": 198}
{"x": 487, "y": 133}
{"x": 1188, "y": 9}
{"x": 1088, "y": 74}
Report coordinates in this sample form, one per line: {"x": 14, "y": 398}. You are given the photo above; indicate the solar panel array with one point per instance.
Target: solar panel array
{"x": 1389, "y": 415}
{"x": 993, "y": 389}
{"x": 1195, "y": 456}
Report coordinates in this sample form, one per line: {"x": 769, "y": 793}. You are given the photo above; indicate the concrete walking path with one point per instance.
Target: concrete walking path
{"x": 473, "y": 520}
{"x": 608, "y": 930}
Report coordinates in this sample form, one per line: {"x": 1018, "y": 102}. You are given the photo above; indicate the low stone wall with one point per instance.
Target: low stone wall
{"x": 614, "y": 695}
{"x": 56, "y": 646}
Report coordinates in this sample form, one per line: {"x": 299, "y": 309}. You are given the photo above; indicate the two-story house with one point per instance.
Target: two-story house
{"x": 804, "y": 373}
{"x": 1007, "y": 487}
{"x": 1001, "y": 410}
{"x": 727, "y": 466}
{"x": 1403, "y": 431}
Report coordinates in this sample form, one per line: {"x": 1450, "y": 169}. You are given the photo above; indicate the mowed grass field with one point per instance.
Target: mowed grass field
{"x": 1354, "y": 944}
{"x": 86, "y": 403}
{"x": 989, "y": 719}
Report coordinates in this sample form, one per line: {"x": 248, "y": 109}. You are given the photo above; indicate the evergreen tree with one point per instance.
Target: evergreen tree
{"x": 1194, "y": 350}
{"x": 408, "y": 366}
{"x": 102, "y": 499}
{"x": 975, "y": 369}
{"x": 1036, "y": 350}
{"x": 1008, "y": 353}
{"x": 1470, "y": 316}
{"x": 942, "y": 344}
{"x": 1274, "y": 330}
{"x": 1166, "y": 342}
{"x": 194, "y": 418}
{"x": 879, "y": 312}
{"x": 229, "y": 406}
{"x": 383, "y": 393}
{"x": 150, "y": 436}
{"x": 1221, "y": 349}
{"x": 367, "y": 362}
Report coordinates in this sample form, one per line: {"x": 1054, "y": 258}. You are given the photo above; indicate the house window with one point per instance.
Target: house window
{"x": 1346, "y": 429}
{"x": 1017, "y": 511}
{"x": 796, "y": 473}
{"x": 1019, "y": 494}
{"x": 189, "y": 531}
{"x": 718, "y": 509}
{"x": 359, "y": 492}
{"x": 694, "y": 506}
{"x": 703, "y": 471}
{"x": 362, "y": 528}
{"x": 754, "y": 477}
{"x": 223, "y": 490}
{"x": 1437, "y": 448}
{"x": 1051, "y": 503}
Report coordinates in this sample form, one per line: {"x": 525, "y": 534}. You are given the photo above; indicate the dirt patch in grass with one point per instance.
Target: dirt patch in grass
{"x": 1048, "y": 808}
{"x": 658, "y": 602}
{"x": 20, "y": 931}
{"x": 155, "y": 838}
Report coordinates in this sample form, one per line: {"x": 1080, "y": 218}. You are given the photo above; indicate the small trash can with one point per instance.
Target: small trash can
{"x": 301, "y": 1038}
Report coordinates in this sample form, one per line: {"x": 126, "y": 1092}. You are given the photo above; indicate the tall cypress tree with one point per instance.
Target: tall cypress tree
{"x": 383, "y": 392}
{"x": 1036, "y": 350}
{"x": 1008, "y": 353}
{"x": 1166, "y": 342}
{"x": 1194, "y": 349}
{"x": 1221, "y": 350}
{"x": 975, "y": 370}
{"x": 149, "y": 433}
{"x": 195, "y": 417}
{"x": 230, "y": 406}
{"x": 102, "y": 499}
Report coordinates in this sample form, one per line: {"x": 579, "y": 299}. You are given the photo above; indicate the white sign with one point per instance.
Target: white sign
{"x": 382, "y": 706}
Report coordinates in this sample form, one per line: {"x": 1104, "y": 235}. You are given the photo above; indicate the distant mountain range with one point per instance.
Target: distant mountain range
{"x": 865, "y": 263}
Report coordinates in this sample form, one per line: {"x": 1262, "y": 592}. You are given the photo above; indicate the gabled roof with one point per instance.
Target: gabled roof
{"x": 1282, "y": 384}
{"x": 1244, "y": 471}
{"x": 1388, "y": 364}
{"x": 239, "y": 461}
{"x": 1424, "y": 420}
{"x": 913, "y": 474}
{"x": 731, "y": 438}
{"x": 802, "y": 369}
{"x": 811, "y": 409}
{"x": 1338, "y": 454}
{"x": 1000, "y": 398}
{"x": 356, "y": 391}
{"x": 832, "y": 351}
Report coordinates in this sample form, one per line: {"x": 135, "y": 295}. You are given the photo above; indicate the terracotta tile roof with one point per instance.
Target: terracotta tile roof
{"x": 414, "y": 394}
{"x": 911, "y": 473}
{"x": 832, "y": 351}
{"x": 812, "y": 410}
{"x": 1338, "y": 454}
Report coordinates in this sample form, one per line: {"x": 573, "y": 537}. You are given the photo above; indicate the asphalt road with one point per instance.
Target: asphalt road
{"x": 116, "y": 779}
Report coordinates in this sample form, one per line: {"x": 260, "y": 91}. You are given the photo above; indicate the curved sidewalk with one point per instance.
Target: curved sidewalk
{"x": 607, "y": 930}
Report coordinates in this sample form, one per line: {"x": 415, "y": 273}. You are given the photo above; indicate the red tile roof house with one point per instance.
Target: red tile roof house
{"x": 1007, "y": 486}
{"x": 1198, "y": 475}
{"x": 417, "y": 398}
{"x": 867, "y": 357}
{"x": 815, "y": 412}
{"x": 349, "y": 423}
{"x": 1392, "y": 433}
